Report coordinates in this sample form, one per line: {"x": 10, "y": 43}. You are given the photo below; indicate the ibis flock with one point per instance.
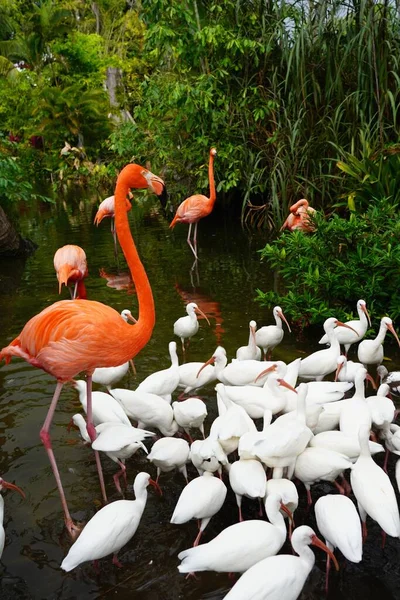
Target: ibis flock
{"x": 280, "y": 429}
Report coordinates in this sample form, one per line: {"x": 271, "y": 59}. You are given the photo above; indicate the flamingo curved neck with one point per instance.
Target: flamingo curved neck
{"x": 213, "y": 195}
{"x": 137, "y": 336}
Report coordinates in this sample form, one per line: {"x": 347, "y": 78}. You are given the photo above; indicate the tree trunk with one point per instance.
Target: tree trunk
{"x": 113, "y": 82}
{"x": 11, "y": 243}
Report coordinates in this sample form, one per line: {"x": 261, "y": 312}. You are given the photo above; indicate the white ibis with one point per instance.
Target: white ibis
{"x": 248, "y": 440}
{"x": 163, "y": 383}
{"x": 256, "y": 400}
{"x": 109, "y": 376}
{"x": 392, "y": 378}
{"x": 116, "y": 440}
{"x": 318, "y": 392}
{"x": 323, "y": 362}
{"x": 148, "y": 410}
{"x": 244, "y": 372}
{"x": 110, "y": 528}
{"x": 320, "y": 464}
{"x": 281, "y": 577}
{"x": 342, "y": 443}
{"x": 105, "y": 408}
{"x": 189, "y": 414}
{"x": 247, "y": 478}
{"x": 339, "y": 523}
{"x": 231, "y": 424}
{"x": 284, "y": 442}
{"x": 240, "y": 546}
{"x": 208, "y": 455}
{"x": 382, "y": 408}
{"x": 194, "y": 375}
{"x": 186, "y": 327}
{"x": 288, "y": 493}
{"x": 270, "y": 336}
{"x": 373, "y": 490}
{"x": 200, "y": 499}
{"x": 251, "y": 351}
{"x": 170, "y": 453}
{"x": 358, "y": 329}
{"x": 346, "y": 369}
{"x": 5, "y": 485}
{"x": 370, "y": 352}
{"x": 355, "y": 411}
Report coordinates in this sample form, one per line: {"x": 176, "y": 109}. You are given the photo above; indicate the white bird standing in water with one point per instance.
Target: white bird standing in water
{"x": 270, "y": 336}
{"x": 200, "y": 499}
{"x": 190, "y": 377}
{"x": 247, "y": 478}
{"x": 285, "y": 441}
{"x": 148, "y": 410}
{"x": 116, "y": 440}
{"x": 189, "y": 414}
{"x": 110, "y": 528}
{"x": 316, "y": 464}
{"x": 163, "y": 383}
{"x": 359, "y": 328}
{"x": 109, "y": 376}
{"x": 5, "y": 485}
{"x": 240, "y": 546}
{"x": 370, "y": 352}
{"x": 251, "y": 351}
{"x": 170, "y": 453}
{"x": 355, "y": 411}
{"x": 243, "y": 372}
{"x": 373, "y": 490}
{"x": 186, "y": 327}
{"x": 105, "y": 408}
{"x": 323, "y": 362}
{"x": 339, "y": 523}
{"x": 346, "y": 369}
{"x": 281, "y": 577}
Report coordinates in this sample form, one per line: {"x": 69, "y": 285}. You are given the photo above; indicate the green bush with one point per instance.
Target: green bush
{"x": 323, "y": 274}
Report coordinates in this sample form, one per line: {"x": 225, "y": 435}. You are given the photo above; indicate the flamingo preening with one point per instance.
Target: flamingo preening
{"x": 196, "y": 207}
{"x": 79, "y": 335}
{"x": 71, "y": 269}
{"x": 299, "y": 218}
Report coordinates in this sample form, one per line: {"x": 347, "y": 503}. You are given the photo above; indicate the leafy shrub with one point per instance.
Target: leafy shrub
{"x": 324, "y": 273}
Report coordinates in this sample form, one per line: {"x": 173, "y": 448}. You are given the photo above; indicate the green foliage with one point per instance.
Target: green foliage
{"x": 14, "y": 185}
{"x": 371, "y": 179}
{"x": 323, "y": 274}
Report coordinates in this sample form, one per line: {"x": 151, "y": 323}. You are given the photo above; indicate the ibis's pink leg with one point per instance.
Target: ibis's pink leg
{"x": 340, "y": 488}
{"x": 346, "y": 485}
{"x": 197, "y": 540}
{"x": 240, "y": 514}
{"x": 364, "y": 531}
{"x": 92, "y": 434}
{"x": 309, "y": 499}
{"x": 192, "y": 575}
{"x": 385, "y": 464}
{"x": 118, "y": 475}
{"x": 116, "y": 562}
{"x": 260, "y": 511}
{"x": 46, "y": 440}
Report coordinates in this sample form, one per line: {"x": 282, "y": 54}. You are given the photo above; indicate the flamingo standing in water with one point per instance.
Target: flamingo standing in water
{"x": 141, "y": 178}
{"x": 196, "y": 207}
{"x": 71, "y": 269}
{"x": 299, "y": 217}
{"x": 76, "y": 336}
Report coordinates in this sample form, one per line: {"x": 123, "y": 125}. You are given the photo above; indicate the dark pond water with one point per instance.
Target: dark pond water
{"x": 224, "y": 285}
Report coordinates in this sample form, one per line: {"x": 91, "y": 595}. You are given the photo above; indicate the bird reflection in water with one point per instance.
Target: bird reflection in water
{"x": 118, "y": 281}
{"x": 209, "y": 306}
